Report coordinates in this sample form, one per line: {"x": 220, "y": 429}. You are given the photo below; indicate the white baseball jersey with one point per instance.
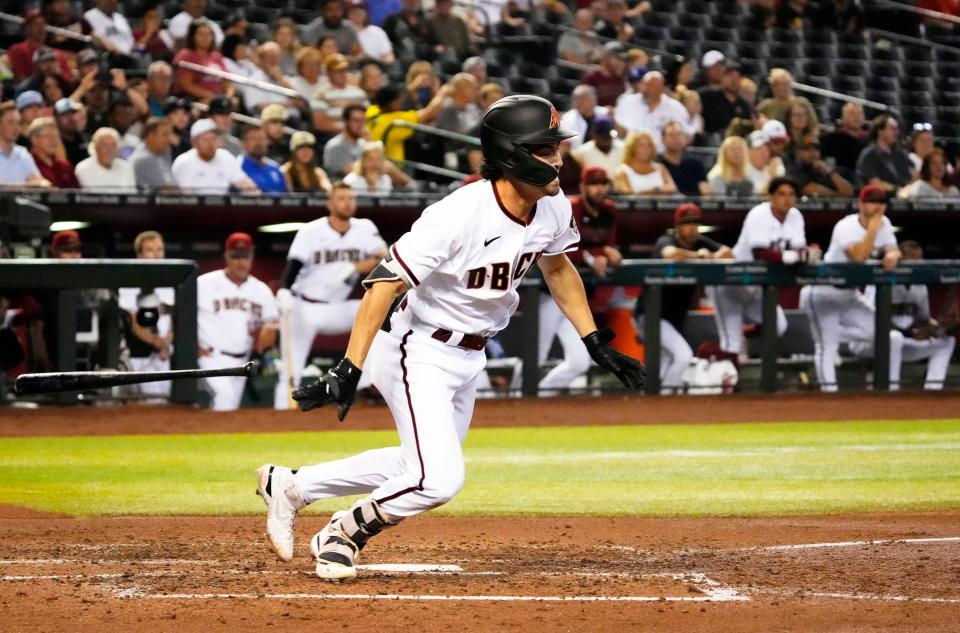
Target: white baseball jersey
{"x": 850, "y": 231}
{"x": 228, "y": 314}
{"x": 910, "y": 303}
{"x": 328, "y": 257}
{"x": 127, "y": 299}
{"x": 465, "y": 256}
{"x": 762, "y": 230}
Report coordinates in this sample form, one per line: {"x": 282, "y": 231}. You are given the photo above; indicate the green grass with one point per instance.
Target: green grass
{"x": 678, "y": 470}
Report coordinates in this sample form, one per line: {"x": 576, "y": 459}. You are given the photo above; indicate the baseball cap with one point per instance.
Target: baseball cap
{"x": 775, "y": 130}
{"x": 238, "y": 243}
{"x": 173, "y": 104}
{"x": 202, "y": 126}
{"x": 873, "y": 193}
{"x": 44, "y": 54}
{"x": 87, "y": 56}
{"x": 594, "y": 175}
{"x": 274, "y": 112}
{"x": 66, "y": 240}
{"x": 220, "y": 105}
{"x": 757, "y": 138}
{"x": 603, "y": 125}
{"x": 636, "y": 73}
{"x": 29, "y": 98}
{"x": 336, "y": 62}
{"x": 300, "y": 139}
{"x": 65, "y": 106}
{"x": 613, "y": 48}
{"x": 712, "y": 58}
{"x": 688, "y": 213}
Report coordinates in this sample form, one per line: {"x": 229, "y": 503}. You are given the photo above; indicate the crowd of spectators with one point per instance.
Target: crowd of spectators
{"x": 190, "y": 103}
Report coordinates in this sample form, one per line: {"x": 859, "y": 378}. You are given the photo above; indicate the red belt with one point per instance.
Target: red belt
{"x": 469, "y": 341}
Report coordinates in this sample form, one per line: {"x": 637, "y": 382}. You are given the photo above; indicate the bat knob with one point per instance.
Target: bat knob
{"x": 251, "y": 369}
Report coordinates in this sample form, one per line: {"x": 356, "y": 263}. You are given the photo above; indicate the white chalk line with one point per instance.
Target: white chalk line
{"x": 881, "y": 597}
{"x": 577, "y": 456}
{"x": 716, "y": 597}
{"x": 904, "y": 541}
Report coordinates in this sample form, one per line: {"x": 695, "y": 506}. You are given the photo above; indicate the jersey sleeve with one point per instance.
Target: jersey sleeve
{"x": 300, "y": 249}
{"x": 885, "y": 237}
{"x": 430, "y": 242}
{"x": 798, "y": 232}
{"x": 374, "y": 244}
{"x": 663, "y": 242}
{"x": 269, "y": 304}
{"x": 568, "y": 237}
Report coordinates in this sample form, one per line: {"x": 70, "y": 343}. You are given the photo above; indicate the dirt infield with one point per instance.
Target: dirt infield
{"x": 889, "y": 572}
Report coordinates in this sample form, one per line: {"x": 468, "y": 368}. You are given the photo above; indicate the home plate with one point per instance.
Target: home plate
{"x": 411, "y": 568}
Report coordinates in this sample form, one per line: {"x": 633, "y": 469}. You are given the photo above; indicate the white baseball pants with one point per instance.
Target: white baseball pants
{"x": 430, "y": 388}
{"x": 675, "y": 355}
{"x": 576, "y": 359}
{"x": 903, "y": 349}
{"x": 734, "y": 304}
{"x": 226, "y": 391}
{"x": 307, "y": 321}
{"x": 153, "y": 362}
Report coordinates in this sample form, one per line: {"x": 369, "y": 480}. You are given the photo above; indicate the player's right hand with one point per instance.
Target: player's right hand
{"x": 285, "y": 301}
{"x": 338, "y": 385}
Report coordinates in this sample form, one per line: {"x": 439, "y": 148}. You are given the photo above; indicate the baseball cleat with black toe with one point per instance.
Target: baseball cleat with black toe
{"x": 280, "y": 492}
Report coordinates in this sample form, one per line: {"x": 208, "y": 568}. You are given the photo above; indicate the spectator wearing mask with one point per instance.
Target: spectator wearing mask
{"x": 779, "y": 105}
{"x": 199, "y": 48}
{"x": 45, "y": 145}
{"x": 21, "y": 56}
{"x": 112, "y": 30}
{"x": 723, "y": 103}
{"x": 848, "y": 139}
{"x": 649, "y": 109}
{"x": 762, "y": 167}
{"x": 374, "y": 42}
{"x": 17, "y": 167}
{"x": 579, "y": 44}
{"x": 220, "y": 110}
{"x": 450, "y": 30}
{"x": 933, "y": 181}
{"x": 608, "y": 78}
{"x": 331, "y": 24}
{"x": 193, "y": 10}
{"x": 687, "y": 171}
{"x": 68, "y": 115}
{"x": 104, "y": 170}
{"x": 369, "y": 175}
{"x": 159, "y": 85}
{"x": 301, "y": 172}
{"x": 639, "y": 173}
{"x": 603, "y": 150}
{"x": 264, "y": 172}
{"x": 581, "y": 116}
{"x": 729, "y": 176}
{"x": 208, "y": 168}
{"x": 274, "y": 119}
{"x": 883, "y": 162}
{"x": 343, "y": 150}
{"x": 152, "y": 160}
{"x": 813, "y": 175}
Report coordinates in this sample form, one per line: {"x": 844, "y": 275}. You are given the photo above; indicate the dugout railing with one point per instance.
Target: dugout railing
{"x": 68, "y": 278}
{"x": 653, "y": 275}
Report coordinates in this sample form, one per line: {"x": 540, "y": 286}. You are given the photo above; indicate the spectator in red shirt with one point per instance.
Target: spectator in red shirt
{"x": 21, "y": 54}
{"x": 607, "y": 79}
{"x": 45, "y": 146}
{"x": 200, "y": 50}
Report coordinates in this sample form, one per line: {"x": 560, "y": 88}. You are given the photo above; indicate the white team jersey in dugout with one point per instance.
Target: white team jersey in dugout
{"x": 762, "y": 230}
{"x": 228, "y": 314}
{"x": 850, "y": 231}
{"x": 465, "y": 256}
{"x": 328, "y": 257}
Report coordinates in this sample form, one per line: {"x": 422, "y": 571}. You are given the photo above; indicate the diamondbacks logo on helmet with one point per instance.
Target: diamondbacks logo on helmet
{"x": 554, "y": 118}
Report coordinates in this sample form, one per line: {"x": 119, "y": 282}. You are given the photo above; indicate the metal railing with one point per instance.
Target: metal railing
{"x": 920, "y": 11}
{"x": 839, "y": 96}
{"x": 446, "y": 134}
{"x": 243, "y": 81}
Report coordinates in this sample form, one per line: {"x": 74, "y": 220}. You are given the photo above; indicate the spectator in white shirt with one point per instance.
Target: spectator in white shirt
{"x": 111, "y": 29}
{"x": 104, "y": 169}
{"x": 580, "y": 117}
{"x": 373, "y": 40}
{"x": 208, "y": 168}
{"x": 762, "y": 167}
{"x": 192, "y": 10}
{"x": 369, "y": 175}
{"x": 648, "y": 108}
{"x": 605, "y": 150}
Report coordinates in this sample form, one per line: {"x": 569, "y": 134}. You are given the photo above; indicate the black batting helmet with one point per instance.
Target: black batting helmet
{"x": 513, "y": 122}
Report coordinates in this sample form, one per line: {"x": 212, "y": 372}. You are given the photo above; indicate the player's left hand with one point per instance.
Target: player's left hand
{"x": 628, "y": 370}
{"x": 338, "y": 385}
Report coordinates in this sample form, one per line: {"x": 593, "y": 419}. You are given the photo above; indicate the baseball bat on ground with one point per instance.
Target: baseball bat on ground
{"x": 28, "y": 384}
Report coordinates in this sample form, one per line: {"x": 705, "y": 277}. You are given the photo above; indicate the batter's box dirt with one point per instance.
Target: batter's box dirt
{"x": 542, "y": 574}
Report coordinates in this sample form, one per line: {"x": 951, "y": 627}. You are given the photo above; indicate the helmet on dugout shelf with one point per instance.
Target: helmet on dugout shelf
{"x": 511, "y": 124}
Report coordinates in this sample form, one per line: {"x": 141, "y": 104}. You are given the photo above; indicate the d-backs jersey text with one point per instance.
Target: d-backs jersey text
{"x": 328, "y": 257}
{"x": 228, "y": 314}
{"x": 761, "y": 229}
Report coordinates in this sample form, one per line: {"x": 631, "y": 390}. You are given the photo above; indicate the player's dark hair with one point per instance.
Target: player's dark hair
{"x": 350, "y": 109}
{"x": 386, "y": 95}
{"x": 489, "y": 171}
{"x": 196, "y": 25}
{"x": 925, "y": 166}
{"x": 910, "y": 245}
{"x": 153, "y": 124}
{"x": 247, "y": 129}
{"x": 879, "y": 123}
{"x": 780, "y": 181}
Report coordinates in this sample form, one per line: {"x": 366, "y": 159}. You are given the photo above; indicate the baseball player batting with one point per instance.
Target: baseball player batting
{"x": 324, "y": 262}
{"x": 459, "y": 265}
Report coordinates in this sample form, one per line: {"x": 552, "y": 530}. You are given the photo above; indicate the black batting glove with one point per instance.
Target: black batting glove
{"x": 338, "y": 385}
{"x": 628, "y": 370}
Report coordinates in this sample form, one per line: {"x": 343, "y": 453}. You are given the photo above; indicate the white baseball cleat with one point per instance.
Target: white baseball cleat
{"x": 280, "y": 492}
{"x": 333, "y": 551}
